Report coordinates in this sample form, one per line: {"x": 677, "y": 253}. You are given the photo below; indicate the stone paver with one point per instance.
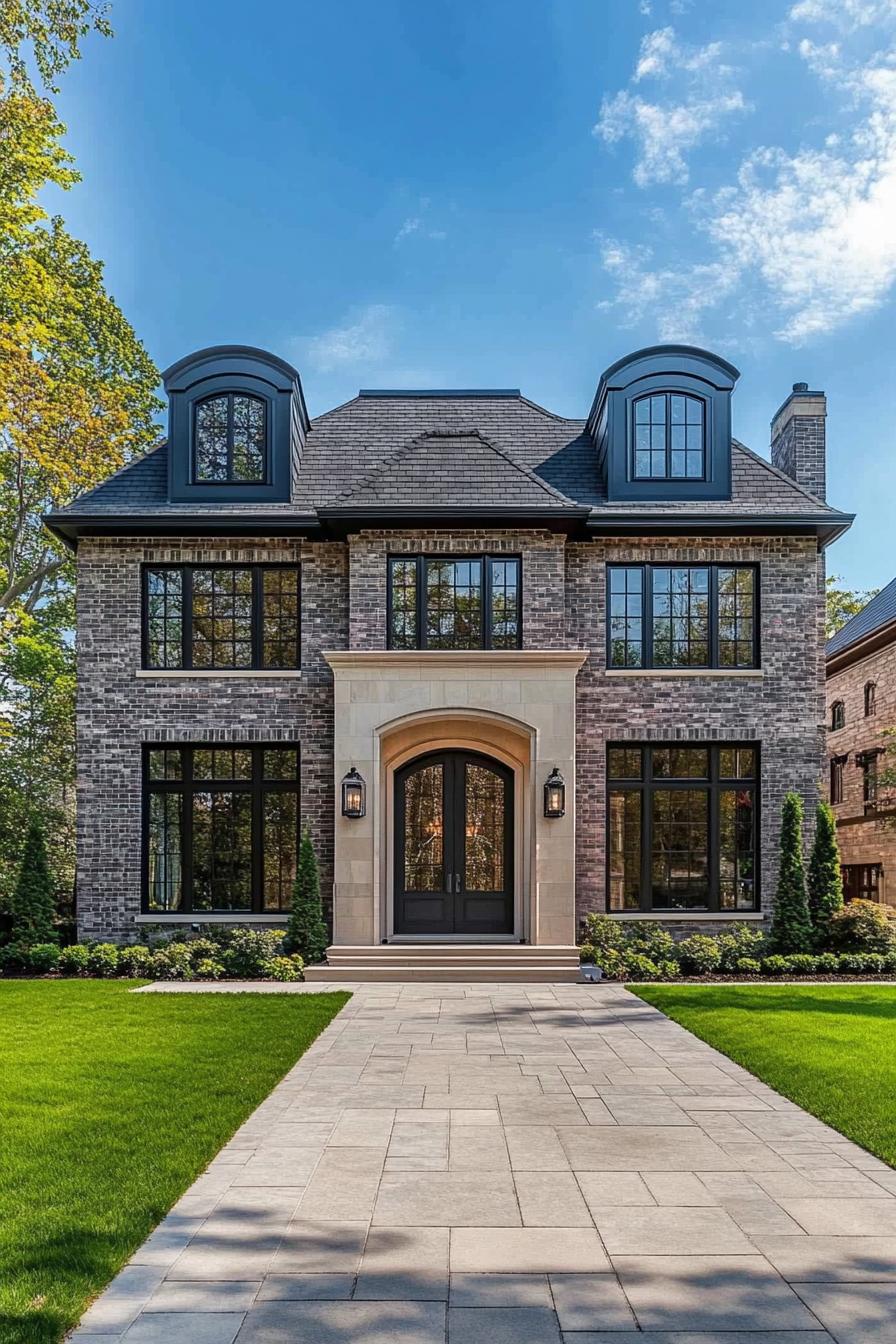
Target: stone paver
{"x": 537, "y": 1164}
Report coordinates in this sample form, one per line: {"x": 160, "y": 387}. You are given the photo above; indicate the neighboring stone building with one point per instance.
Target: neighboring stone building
{"x": 861, "y": 707}
{"x": 508, "y": 667}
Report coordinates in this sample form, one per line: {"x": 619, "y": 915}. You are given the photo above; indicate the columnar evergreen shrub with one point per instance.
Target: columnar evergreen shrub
{"x": 791, "y": 929}
{"x": 306, "y": 932}
{"x": 32, "y": 904}
{"x": 825, "y": 885}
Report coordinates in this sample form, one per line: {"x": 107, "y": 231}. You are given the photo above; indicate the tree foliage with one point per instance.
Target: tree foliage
{"x": 33, "y": 899}
{"x": 306, "y": 932}
{"x": 841, "y": 604}
{"x": 791, "y": 929}
{"x": 825, "y": 884}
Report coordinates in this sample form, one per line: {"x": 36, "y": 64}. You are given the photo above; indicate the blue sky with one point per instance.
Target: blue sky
{"x": 507, "y": 195}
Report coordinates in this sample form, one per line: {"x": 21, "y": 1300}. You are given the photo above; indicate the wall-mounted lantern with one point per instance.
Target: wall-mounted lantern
{"x": 554, "y": 794}
{"x": 354, "y": 795}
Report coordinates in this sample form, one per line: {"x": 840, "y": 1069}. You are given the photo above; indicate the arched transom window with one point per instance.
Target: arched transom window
{"x": 669, "y": 437}
{"x": 229, "y": 438}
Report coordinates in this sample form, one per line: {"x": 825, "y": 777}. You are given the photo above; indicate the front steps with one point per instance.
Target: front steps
{"x": 401, "y": 963}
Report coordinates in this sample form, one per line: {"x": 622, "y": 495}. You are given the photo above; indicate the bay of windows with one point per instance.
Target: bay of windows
{"x": 669, "y": 616}
{"x": 682, "y": 827}
{"x": 454, "y": 602}
{"x": 221, "y": 616}
{"x": 221, "y": 828}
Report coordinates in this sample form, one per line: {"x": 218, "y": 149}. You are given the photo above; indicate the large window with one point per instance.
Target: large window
{"x": 669, "y": 434}
{"x": 221, "y": 827}
{"x": 454, "y": 602}
{"x": 204, "y": 618}
{"x": 861, "y": 881}
{"x": 671, "y": 616}
{"x": 229, "y": 439}
{"x": 682, "y": 827}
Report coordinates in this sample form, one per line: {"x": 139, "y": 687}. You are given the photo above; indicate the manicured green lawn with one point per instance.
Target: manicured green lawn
{"x": 111, "y": 1103}
{"x": 829, "y": 1048}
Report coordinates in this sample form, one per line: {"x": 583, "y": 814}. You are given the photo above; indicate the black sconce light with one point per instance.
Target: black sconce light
{"x": 554, "y": 794}
{"x": 354, "y": 795}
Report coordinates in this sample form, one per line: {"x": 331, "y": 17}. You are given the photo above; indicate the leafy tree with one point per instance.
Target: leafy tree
{"x": 841, "y": 604}
{"x": 33, "y": 901}
{"x": 51, "y": 30}
{"x": 306, "y": 932}
{"x": 791, "y": 929}
{"x": 825, "y": 885}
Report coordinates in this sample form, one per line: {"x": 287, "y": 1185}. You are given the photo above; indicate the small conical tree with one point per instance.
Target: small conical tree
{"x": 825, "y": 884}
{"x": 791, "y": 929}
{"x": 32, "y": 904}
{"x": 306, "y": 932}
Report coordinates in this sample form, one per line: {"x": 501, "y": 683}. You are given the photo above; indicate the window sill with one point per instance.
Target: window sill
{"x": 720, "y": 916}
{"x": 249, "y": 917}
{"x": 201, "y": 675}
{"x": 684, "y": 671}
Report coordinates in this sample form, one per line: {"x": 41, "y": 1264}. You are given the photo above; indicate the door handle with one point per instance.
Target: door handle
{"x": 457, "y": 883}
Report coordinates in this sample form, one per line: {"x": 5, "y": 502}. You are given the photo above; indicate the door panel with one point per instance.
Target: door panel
{"x": 454, "y": 845}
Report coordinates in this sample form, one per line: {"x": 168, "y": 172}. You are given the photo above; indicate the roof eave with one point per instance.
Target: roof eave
{"x": 827, "y": 527}
{"x": 860, "y": 648}
{"x": 69, "y": 527}
{"x": 342, "y": 518}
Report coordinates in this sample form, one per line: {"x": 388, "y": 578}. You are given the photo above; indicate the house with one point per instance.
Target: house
{"x": 507, "y": 667}
{"x": 861, "y": 710}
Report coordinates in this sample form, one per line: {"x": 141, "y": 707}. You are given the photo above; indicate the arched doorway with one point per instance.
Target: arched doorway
{"x": 453, "y": 856}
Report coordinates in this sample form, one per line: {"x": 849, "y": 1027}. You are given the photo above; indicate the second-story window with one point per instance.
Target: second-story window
{"x": 837, "y": 764}
{"x": 229, "y": 439}
{"x": 454, "y": 602}
{"x": 209, "y": 617}
{"x": 867, "y": 763}
{"x": 870, "y": 698}
{"x": 838, "y": 715}
{"x": 669, "y": 616}
{"x": 669, "y": 437}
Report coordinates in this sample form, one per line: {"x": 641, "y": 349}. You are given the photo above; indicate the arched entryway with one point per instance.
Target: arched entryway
{"x": 453, "y": 845}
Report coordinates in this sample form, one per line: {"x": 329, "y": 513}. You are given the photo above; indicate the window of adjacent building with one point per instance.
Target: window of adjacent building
{"x": 838, "y": 715}
{"x": 205, "y": 618}
{"x": 229, "y": 439}
{"x": 837, "y": 764}
{"x": 867, "y": 763}
{"x": 682, "y": 826}
{"x": 870, "y": 698}
{"x": 221, "y": 828}
{"x": 668, "y": 437}
{"x": 861, "y": 881}
{"x": 665, "y": 616}
{"x": 454, "y": 602}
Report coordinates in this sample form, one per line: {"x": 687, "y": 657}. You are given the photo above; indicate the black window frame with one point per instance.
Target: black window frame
{"x": 420, "y": 559}
{"x": 668, "y": 393}
{"x": 861, "y": 881}
{"x": 714, "y": 784}
{"x": 838, "y": 716}
{"x": 230, "y": 479}
{"x": 257, "y": 786}
{"x": 257, "y": 569}
{"x": 870, "y": 695}
{"x": 867, "y": 762}
{"x": 837, "y": 764}
{"x": 647, "y": 571}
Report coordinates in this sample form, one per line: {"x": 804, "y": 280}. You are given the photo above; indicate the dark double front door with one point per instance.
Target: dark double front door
{"x": 454, "y": 845}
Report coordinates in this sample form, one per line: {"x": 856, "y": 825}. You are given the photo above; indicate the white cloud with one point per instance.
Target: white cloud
{"x": 675, "y": 297}
{"x": 846, "y": 15}
{"x": 418, "y": 225}
{"x": 368, "y": 339}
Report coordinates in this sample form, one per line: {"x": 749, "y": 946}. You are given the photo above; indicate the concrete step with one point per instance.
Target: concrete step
{"x": 367, "y": 973}
{"x": 512, "y": 963}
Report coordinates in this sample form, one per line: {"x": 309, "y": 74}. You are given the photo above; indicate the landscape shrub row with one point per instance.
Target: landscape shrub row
{"x": 217, "y": 954}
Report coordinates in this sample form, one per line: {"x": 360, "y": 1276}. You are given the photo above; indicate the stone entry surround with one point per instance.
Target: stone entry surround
{"x": 517, "y": 1166}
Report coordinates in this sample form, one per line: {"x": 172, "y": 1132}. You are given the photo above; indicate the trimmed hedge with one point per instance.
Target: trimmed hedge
{"x": 222, "y": 954}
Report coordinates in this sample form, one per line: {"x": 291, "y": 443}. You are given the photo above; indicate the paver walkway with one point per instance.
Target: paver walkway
{"x": 494, "y": 1164}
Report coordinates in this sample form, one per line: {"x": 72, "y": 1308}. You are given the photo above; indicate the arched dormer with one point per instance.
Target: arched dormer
{"x": 661, "y": 421}
{"x": 236, "y": 426}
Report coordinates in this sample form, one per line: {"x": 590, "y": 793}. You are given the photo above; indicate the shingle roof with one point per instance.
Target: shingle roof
{"x": 880, "y": 611}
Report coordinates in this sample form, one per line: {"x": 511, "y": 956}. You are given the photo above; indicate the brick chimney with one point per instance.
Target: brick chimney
{"x": 798, "y": 438}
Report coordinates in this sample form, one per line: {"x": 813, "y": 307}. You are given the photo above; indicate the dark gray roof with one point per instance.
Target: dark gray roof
{"x": 880, "y": 611}
{"x": 427, "y": 448}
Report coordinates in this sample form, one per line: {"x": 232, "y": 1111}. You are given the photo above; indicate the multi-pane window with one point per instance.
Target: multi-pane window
{"x": 229, "y": 439}
{"x": 454, "y": 602}
{"x": 867, "y": 763}
{"x": 669, "y": 435}
{"x": 870, "y": 698}
{"x": 682, "y": 827}
{"x": 213, "y": 617}
{"x": 221, "y": 828}
{"x": 668, "y": 616}
{"x": 861, "y": 881}
{"x": 838, "y": 715}
{"x": 837, "y": 764}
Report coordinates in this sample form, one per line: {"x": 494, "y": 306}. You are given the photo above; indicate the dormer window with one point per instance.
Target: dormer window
{"x": 229, "y": 439}
{"x": 669, "y": 437}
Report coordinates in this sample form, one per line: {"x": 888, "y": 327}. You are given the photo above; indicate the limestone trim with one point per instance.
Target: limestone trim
{"x": 492, "y": 660}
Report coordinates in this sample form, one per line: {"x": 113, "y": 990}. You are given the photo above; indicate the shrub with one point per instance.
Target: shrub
{"x": 738, "y": 942}
{"x": 604, "y": 934}
{"x": 207, "y": 968}
{"x": 650, "y": 939}
{"x": 203, "y": 949}
{"x": 73, "y": 960}
{"x": 791, "y": 929}
{"x": 134, "y": 962}
{"x": 748, "y": 966}
{"x": 669, "y": 970}
{"x": 102, "y": 960}
{"x": 284, "y": 969}
{"x": 247, "y": 950}
{"x": 612, "y": 963}
{"x": 825, "y": 885}
{"x": 862, "y": 926}
{"x": 699, "y": 954}
{"x": 827, "y": 963}
{"x": 172, "y": 963}
{"x": 306, "y": 932}
{"x": 32, "y": 903}
{"x": 889, "y": 961}
{"x": 639, "y": 967}
{"x": 15, "y": 957}
{"x": 587, "y": 952}
{"x": 861, "y": 963}
{"x": 43, "y": 958}
{"x": 801, "y": 963}
{"x": 775, "y": 965}
{"x": 875, "y": 962}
